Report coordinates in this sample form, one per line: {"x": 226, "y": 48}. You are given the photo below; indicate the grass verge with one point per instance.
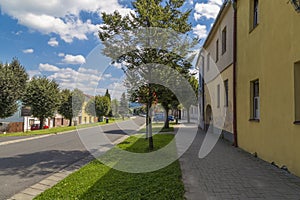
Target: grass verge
{"x": 97, "y": 181}
{"x": 56, "y": 129}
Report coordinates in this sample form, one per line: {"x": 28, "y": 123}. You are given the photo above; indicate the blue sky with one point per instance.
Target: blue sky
{"x": 58, "y": 38}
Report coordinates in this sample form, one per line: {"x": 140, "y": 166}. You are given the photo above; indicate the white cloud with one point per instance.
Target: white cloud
{"x": 33, "y": 73}
{"x": 48, "y": 68}
{"x": 53, "y": 42}
{"x": 61, "y": 54}
{"x": 61, "y": 17}
{"x": 107, "y": 75}
{"x": 28, "y": 51}
{"x": 200, "y": 31}
{"x": 208, "y": 10}
{"x": 71, "y": 59}
{"x": 85, "y": 80}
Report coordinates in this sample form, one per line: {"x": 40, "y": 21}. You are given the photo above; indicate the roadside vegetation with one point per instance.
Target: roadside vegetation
{"x": 56, "y": 130}
{"x": 98, "y": 181}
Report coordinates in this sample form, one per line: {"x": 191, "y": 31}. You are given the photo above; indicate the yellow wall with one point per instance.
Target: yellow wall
{"x": 84, "y": 114}
{"x": 211, "y": 98}
{"x": 268, "y": 53}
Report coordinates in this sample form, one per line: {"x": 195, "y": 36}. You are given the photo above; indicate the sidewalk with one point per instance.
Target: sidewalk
{"x": 231, "y": 173}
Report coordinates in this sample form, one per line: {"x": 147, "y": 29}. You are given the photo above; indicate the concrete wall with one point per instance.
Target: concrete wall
{"x": 269, "y": 53}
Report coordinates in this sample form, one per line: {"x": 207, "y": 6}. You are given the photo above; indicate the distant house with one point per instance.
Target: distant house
{"x": 20, "y": 123}
{"x": 216, "y": 69}
{"x": 83, "y": 117}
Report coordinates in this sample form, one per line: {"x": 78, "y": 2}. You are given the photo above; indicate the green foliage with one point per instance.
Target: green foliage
{"x": 97, "y": 181}
{"x": 71, "y": 103}
{"x": 115, "y": 108}
{"x": 107, "y": 94}
{"x": 162, "y": 41}
{"x": 98, "y": 106}
{"x": 43, "y": 96}
{"x": 13, "y": 78}
{"x": 123, "y": 109}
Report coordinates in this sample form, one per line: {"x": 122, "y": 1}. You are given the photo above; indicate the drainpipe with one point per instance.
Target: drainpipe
{"x": 234, "y": 73}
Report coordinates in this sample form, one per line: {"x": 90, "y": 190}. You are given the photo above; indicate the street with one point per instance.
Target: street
{"x": 23, "y": 164}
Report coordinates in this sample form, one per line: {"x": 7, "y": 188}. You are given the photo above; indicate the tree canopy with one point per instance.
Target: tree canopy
{"x": 13, "y": 78}
{"x": 71, "y": 103}
{"x": 98, "y": 106}
{"x": 154, "y": 34}
{"x": 43, "y": 96}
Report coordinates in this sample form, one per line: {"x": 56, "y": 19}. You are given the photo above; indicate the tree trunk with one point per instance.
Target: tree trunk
{"x": 147, "y": 121}
{"x": 41, "y": 122}
{"x": 70, "y": 122}
{"x": 167, "y": 125}
{"x": 188, "y": 115}
{"x": 150, "y": 134}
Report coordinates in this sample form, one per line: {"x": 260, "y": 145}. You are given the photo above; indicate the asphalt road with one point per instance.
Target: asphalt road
{"x": 25, "y": 163}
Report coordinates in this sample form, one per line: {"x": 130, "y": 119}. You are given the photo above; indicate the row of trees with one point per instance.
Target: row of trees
{"x": 44, "y": 96}
{"x": 144, "y": 40}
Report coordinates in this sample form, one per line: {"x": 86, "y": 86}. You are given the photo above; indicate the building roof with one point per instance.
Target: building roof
{"x": 220, "y": 14}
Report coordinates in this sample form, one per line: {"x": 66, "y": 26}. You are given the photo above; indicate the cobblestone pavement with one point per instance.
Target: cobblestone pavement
{"x": 231, "y": 173}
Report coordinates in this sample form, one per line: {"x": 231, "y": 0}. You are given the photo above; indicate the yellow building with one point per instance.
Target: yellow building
{"x": 268, "y": 81}
{"x": 216, "y": 69}
{"x": 83, "y": 117}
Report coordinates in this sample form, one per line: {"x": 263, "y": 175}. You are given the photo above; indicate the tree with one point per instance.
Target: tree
{"x": 110, "y": 114}
{"x": 115, "y": 107}
{"x": 98, "y": 106}
{"x": 43, "y": 96}
{"x": 188, "y": 101}
{"x": 71, "y": 103}
{"x": 123, "y": 109}
{"x": 107, "y": 94}
{"x": 13, "y": 78}
{"x": 166, "y": 15}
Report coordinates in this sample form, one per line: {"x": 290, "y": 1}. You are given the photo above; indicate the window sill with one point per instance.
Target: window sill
{"x": 254, "y": 120}
{"x": 297, "y": 122}
{"x": 253, "y": 28}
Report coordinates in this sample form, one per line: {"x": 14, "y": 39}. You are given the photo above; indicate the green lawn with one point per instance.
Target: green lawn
{"x": 56, "y": 129}
{"x": 97, "y": 181}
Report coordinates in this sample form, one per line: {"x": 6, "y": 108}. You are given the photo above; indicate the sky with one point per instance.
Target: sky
{"x": 58, "y": 39}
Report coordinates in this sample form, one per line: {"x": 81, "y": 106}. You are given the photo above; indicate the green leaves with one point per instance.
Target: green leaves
{"x": 71, "y": 103}
{"x": 98, "y": 106}
{"x": 43, "y": 96}
{"x": 13, "y": 79}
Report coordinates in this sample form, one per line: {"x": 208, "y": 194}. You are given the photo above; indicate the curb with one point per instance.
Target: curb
{"x": 36, "y": 189}
{"x": 48, "y": 135}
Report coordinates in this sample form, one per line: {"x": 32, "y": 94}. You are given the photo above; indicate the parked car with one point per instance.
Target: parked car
{"x": 161, "y": 117}
{"x": 37, "y": 127}
{"x": 171, "y": 118}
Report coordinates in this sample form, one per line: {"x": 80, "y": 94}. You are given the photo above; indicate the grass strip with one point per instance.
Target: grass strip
{"x": 97, "y": 181}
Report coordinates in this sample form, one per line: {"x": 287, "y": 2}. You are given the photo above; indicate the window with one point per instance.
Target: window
{"x": 255, "y": 100}
{"x": 297, "y": 91}
{"x": 224, "y": 40}
{"x": 217, "y": 50}
{"x": 208, "y": 61}
{"x": 254, "y": 14}
{"x": 218, "y": 96}
{"x": 226, "y": 92}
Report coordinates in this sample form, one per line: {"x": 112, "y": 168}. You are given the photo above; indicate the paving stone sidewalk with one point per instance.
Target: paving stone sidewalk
{"x": 231, "y": 173}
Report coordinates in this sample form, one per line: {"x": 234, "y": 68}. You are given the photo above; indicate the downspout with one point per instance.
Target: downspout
{"x": 234, "y": 74}
{"x": 203, "y": 93}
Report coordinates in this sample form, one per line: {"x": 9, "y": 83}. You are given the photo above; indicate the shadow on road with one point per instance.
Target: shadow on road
{"x": 39, "y": 163}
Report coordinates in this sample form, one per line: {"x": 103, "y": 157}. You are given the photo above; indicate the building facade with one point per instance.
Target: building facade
{"x": 268, "y": 81}
{"x": 216, "y": 72}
